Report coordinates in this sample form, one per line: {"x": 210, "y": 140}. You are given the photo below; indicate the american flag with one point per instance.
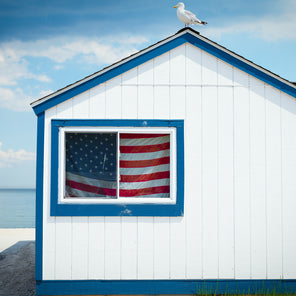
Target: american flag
{"x": 91, "y": 165}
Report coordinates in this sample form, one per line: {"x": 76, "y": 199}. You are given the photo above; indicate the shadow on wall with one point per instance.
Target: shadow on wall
{"x": 17, "y": 270}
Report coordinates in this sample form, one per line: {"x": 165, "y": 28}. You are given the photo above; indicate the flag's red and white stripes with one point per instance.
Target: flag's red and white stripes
{"x": 144, "y": 165}
{"x": 79, "y": 186}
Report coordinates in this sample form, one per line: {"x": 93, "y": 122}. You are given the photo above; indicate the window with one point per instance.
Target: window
{"x": 117, "y": 167}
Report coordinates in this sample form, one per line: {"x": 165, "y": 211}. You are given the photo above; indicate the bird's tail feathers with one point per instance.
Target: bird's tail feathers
{"x": 198, "y": 22}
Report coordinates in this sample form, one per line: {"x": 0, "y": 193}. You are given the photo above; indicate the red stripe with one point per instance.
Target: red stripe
{"x": 144, "y": 191}
{"x": 90, "y": 188}
{"x": 144, "y": 178}
{"x": 145, "y": 148}
{"x": 141, "y": 136}
{"x": 144, "y": 163}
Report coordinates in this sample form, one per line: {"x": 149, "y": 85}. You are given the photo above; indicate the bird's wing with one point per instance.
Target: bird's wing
{"x": 191, "y": 16}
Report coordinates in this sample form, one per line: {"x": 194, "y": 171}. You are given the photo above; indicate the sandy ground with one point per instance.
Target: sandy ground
{"x": 17, "y": 262}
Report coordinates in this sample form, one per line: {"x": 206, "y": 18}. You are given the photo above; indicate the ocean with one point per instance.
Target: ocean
{"x": 17, "y": 208}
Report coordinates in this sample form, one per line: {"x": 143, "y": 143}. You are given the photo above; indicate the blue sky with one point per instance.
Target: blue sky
{"x": 46, "y": 45}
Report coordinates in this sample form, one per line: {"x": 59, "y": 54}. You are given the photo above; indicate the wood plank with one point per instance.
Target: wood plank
{"x": 63, "y": 248}
{"x": 145, "y": 248}
{"x": 177, "y": 102}
{"x": 112, "y": 247}
{"x": 162, "y": 70}
{"x": 193, "y": 65}
{"x": 81, "y": 105}
{"x": 129, "y": 102}
{"x": 225, "y": 183}
{"x": 129, "y": 248}
{"x": 225, "y": 73}
{"x": 130, "y": 77}
{"x": 209, "y": 182}
{"x": 177, "y": 248}
{"x": 161, "y": 248}
{"x": 80, "y": 248}
{"x": 258, "y": 182}
{"x": 273, "y": 183}
{"x": 288, "y": 185}
{"x": 177, "y": 65}
{"x": 240, "y": 78}
{"x": 193, "y": 183}
{"x": 209, "y": 69}
{"x": 145, "y": 72}
{"x": 96, "y": 248}
{"x": 145, "y": 102}
{"x": 97, "y": 104}
{"x": 113, "y": 98}
{"x": 64, "y": 110}
{"x": 161, "y": 102}
{"x": 242, "y": 183}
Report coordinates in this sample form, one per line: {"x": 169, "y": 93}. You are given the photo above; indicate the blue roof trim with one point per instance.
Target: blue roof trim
{"x": 194, "y": 287}
{"x": 159, "y": 50}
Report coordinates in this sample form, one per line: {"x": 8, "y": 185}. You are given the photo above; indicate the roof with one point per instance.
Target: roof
{"x": 184, "y": 35}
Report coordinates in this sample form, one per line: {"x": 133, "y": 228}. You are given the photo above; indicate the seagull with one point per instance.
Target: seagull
{"x": 187, "y": 17}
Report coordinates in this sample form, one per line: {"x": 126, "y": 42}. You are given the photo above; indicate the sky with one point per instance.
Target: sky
{"x": 47, "y": 45}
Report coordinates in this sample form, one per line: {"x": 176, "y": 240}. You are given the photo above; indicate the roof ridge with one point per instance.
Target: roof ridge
{"x": 159, "y": 48}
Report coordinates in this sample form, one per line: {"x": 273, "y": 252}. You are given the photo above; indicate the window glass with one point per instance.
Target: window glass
{"x": 91, "y": 165}
{"x": 144, "y": 165}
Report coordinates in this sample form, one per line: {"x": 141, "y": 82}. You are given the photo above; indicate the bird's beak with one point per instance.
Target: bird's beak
{"x": 175, "y": 6}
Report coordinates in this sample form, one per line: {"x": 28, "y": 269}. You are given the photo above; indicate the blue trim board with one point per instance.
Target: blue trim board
{"x": 39, "y": 196}
{"x": 153, "y": 53}
{"x": 197, "y": 287}
{"x": 168, "y": 210}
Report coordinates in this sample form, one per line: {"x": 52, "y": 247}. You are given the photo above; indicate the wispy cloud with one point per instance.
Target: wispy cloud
{"x": 9, "y": 158}
{"x": 18, "y": 61}
{"x": 276, "y": 26}
{"x": 16, "y": 100}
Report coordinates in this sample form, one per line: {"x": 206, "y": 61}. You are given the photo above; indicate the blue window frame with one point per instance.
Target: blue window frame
{"x": 63, "y": 205}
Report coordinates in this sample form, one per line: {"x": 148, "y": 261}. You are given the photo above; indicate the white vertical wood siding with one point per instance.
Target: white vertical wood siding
{"x": 240, "y": 179}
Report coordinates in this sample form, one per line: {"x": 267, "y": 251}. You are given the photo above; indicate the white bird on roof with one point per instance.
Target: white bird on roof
{"x": 187, "y": 17}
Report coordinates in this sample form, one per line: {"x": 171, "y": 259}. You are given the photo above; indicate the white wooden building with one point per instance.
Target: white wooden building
{"x": 227, "y": 222}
